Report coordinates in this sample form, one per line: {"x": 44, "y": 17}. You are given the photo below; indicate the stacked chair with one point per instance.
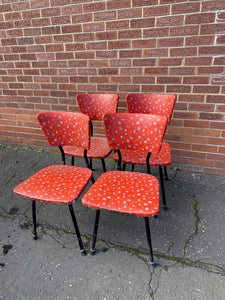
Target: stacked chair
{"x": 95, "y": 106}
{"x": 155, "y": 104}
{"x": 129, "y": 192}
{"x": 135, "y": 137}
{"x": 60, "y": 184}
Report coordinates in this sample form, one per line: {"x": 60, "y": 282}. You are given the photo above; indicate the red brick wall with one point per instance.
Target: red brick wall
{"x": 52, "y": 49}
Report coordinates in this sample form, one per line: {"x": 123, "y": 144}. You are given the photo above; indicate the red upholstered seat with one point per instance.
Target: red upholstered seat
{"x": 162, "y": 158}
{"x": 95, "y": 106}
{"x": 129, "y": 192}
{"x": 125, "y": 192}
{"x": 99, "y": 148}
{"x": 60, "y": 184}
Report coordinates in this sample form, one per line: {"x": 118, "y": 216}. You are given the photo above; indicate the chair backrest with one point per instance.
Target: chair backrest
{"x": 157, "y": 104}
{"x": 135, "y": 131}
{"x": 96, "y": 105}
{"x": 65, "y": 128}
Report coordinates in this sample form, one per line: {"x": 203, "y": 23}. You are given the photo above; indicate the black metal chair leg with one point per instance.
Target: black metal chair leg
{"x": 162, "y": 188}
{"x": 165, "y": 173}
{"x": 34, "y": 233}
{"x": 124, "y": 166}
{"x": 72, "y": 161}
{"x": 147, "y": 227}
{"x": 103, "y": 165}
{"x": 83, "y": 251}
{"x": 93, "y": 250}
{"x": 132, "y": 168}
{"x": 90, "y": 163}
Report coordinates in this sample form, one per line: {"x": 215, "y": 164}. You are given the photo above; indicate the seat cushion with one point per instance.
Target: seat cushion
{"x": 162, "y": 158}
{"x": 55, "y": 184}
{"x": 126, "y": 192}
{"x": 99, "y": 148}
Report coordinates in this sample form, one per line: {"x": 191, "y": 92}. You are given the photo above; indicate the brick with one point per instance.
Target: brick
{"x": 192, "y": 98}
{"x": 71, "y": 28}
{"x": 130, "y": 13}
{"x": 144, "y": 2}
{"x": 92, "y": 7}
{"x": 168, "y": 80}
{"x": 196, "y": 123}
{"x": 144, "y": 62}
{"x": 71, "y": 9}
{"x": 108, "y": 71}
{"x": 119, "y": 44}
{"x": 201, "y": 107}
{"x": 41, "y": 22}
{"x": 182, "y": 71}
{"x": 221, "y": 150}
{"x": 146, "y": 43}
{"x": 97, "y": 46}
{"x": 105, "y": 16}
{"x": 48, "y": 39}
{"x": 130, "y": 53}
{"x": 51, "y": 30}
{"x": 169, "y": 21}
{"x": 106, "y": 35}
{"x": 204, "y": 148}
{"x": 90, "y": 71}
{"x": 5, "y": 7}
{"x": 206, "y": 89}
{"x": 209, "y": 70}
{"x": 220, "y": 108}
{"x": 22, "y": 24}
{"x": 99, "y": 79}
{"x": 116, "y": 63}
{"x": 212, "y": 50}
{"x": 216, "y": 141}
{"x": 96, "y": 26}
{"x": 199, "y": 40}
{"x": 156, "y": 11}
{"x": 211, "y": 116}
{"x": 9, "y": 42}
{"x": 200, "y": 18}
{"x": 170, "y": 42}
{"x": 31, "y": 14}
{"x": 170, "y": 61}
{"x": 121, "y": 79}
{"x": 196, "y": 61}
{"x": 215, "y": 99}
{"x": 60, "y": 20}
{"x": 219, "y": 60}
{"x": 178, "y": 89}
{"x": 181, "y": 145}
{"x": 85, "y": 37}
{"x": 156, "y": 71}
{"x": 216, "y": 28}
{"x": 187, "y": 51}
{"x": 84, "y": 55}
{"x": 82, "y": 18}
{"x": 212, "y": 5}
{"x": 12, "y": 16}
{"x": 196, "y": 80}
{"x": 75, "y": 47}
{"x": 155, "y": 52}
{"x": 142, "y": 23}
{"x": 202, "y": 162}
{"x": 54, "y": 48}
{"x": 15, "y": 33}
{"x": 113, "y": 25}
{"x": 100, "y": 63}
{"x": 118, "y": 4}
{"x": 191, "y": 154}
{"x": 65, "y": 38}
{"x": 131, "y": 71}
{"x": 156, "y": 32}
{"x": 184, "y": 31}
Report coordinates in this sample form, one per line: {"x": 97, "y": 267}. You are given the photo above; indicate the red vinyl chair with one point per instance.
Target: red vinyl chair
{"x": 156, "y": 104}
{"x": 126, "y": 192}
{"x": 60, "y": 184}
{"x": 95, "y": 106}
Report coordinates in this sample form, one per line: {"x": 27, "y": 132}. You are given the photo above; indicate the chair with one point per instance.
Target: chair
{"x": 157, "y": 104}
{"x": 60, "y": 184}
{"x": 129, "y": 192}
{"x": 95, "y": 106}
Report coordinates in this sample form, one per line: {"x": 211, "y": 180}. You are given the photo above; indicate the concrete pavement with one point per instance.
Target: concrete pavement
{"x": 188, "y": 241}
